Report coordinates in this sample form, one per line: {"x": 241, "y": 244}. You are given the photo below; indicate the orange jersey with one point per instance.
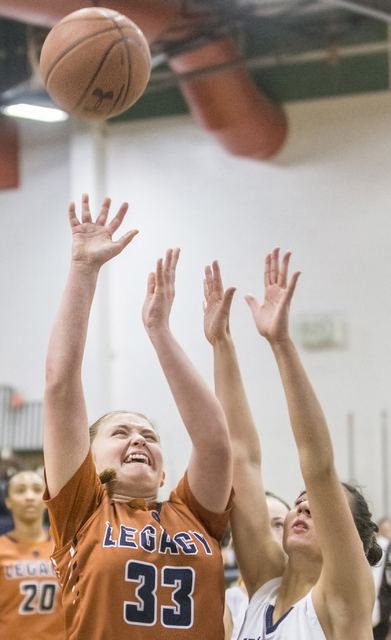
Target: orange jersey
{"x": 30, "y": 604}
{"x": 129, "y": 570}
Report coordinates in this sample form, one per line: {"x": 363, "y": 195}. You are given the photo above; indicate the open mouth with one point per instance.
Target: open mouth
{"x": 137, "y": 457}
{"x": 300, "y": 524}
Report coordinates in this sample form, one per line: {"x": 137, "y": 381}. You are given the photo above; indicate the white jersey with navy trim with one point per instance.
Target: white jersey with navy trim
{"x": 299, "y": 623}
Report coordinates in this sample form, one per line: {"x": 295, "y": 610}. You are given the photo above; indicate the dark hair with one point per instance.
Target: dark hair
{"x": 269, "y": 494}
{"x": 16, "y": 473}
{"x": 94, "y": 428}
{"x": 366, "y": 528}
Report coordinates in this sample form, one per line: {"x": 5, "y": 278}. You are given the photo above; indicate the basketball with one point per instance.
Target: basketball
{"x": 95, "y": 63}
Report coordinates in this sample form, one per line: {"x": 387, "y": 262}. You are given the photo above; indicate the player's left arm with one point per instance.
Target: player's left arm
{"x": 210, "y": 465}
{"x": 345, "y": 588}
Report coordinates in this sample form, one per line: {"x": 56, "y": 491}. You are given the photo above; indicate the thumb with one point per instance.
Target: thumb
{"x": 126, "y": 239}
{"x": 227, "y": 300}
{"x": 292, "y": 285}
{"x": 151, "y": 283}
{"x": 252, "y": 302}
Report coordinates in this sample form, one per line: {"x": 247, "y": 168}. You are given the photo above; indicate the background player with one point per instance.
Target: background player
{"x": 325, "y": 589}
{"x": 130, "y": 565}
{"x": 30, "y": 602}
{"x": 236, "y": 597}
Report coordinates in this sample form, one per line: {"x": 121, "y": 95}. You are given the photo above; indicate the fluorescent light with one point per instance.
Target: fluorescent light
{"x": 34, "y": 112}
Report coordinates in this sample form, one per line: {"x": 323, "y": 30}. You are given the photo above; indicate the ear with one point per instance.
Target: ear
{"x": 163, "y": 479}
{"x": 8, "y": 503}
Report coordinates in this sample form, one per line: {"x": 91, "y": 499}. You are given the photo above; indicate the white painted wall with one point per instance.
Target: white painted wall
{"x": 327, "y": 198}
{"x": 34, "y": 251}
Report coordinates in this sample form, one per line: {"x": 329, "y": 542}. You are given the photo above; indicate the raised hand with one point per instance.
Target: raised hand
{"x": 271, "y": 318}
{"x": 160, "y": 292}
{"x": 217, "y": 305}
{"x": 92, "y": 241}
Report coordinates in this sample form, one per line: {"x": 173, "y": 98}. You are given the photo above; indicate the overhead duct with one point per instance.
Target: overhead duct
{"x": 227, "y": 104}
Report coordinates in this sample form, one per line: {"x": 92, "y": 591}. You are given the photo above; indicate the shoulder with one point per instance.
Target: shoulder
{"x": 6, "y": 541}
{"x": 267, "y": 593}
{"x": 183, "y": 501}
{"x": 75, "y": 503}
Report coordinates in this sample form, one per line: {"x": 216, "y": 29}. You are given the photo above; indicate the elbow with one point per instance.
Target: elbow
{"x": 315, "y": 469}
{"x": 58, "y": 383}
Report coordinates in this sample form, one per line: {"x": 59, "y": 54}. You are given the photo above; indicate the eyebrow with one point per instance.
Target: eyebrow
{"x": 143, "y": 430}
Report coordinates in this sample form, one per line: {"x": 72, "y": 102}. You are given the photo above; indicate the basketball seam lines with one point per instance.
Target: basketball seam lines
{"x": 76, "y": 44}
{"x": 96, "y": 73}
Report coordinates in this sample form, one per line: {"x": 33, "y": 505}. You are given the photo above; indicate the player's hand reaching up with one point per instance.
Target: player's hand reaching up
{"x": 272, "y": 317}
{"x": 92, "y": 242}
{"x": 160, "y": 292}
{"x": 217, "y": 305}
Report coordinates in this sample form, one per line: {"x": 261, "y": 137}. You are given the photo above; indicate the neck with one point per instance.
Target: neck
{"x": 29, "y": 531}
{"x": 120, "y": 494}
{"x": 298, "y": 580}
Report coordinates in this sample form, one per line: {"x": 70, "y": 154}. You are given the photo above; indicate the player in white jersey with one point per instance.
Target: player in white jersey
{"x": 324, "y": 590}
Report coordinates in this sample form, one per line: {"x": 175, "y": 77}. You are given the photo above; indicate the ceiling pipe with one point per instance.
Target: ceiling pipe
{"x": 227, "y": 103}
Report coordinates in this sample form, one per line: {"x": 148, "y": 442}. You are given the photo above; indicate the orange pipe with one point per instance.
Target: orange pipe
{"x": 9, "y": 153}
{"x": 227, "y": 103}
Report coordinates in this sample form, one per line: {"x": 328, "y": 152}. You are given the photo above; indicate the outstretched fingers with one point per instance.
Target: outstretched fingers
{"x": 169, "y": 265}
{"x": 292, "y": 285}
{"x": 274, "y": 266}
{"x": 268, "y": 262}
{"x": 73, "y": 219}
{"x": 104, "y": 212}
{"x": 85, "y": 208}
{"x": 117, "y": 220}
{"x": 159, "y": 273}
{"x": 151, "y": 283}
{"x": 208, "y": 283}
{"x": 217, "y": 280}
{"x": 283, "y": 273}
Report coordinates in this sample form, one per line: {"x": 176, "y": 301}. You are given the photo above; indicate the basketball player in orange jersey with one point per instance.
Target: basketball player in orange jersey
{"x": 30, "y": 600}
{"x": 227, "y": 104}
{"x": 129, "y": 565}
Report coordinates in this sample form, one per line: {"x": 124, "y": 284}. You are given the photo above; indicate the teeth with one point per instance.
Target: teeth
{"x": 137, "y": 457}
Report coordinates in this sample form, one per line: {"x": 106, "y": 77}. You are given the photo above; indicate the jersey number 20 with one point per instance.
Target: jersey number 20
{"x": 39, "y": 597}
{"x": 144, "y": 612}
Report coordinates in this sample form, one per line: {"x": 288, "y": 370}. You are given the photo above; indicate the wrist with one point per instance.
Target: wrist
{"x": 84, "y": 267}
{"x": 83, "y": 275}
{"x": 281, "y": 344}
{"x": 223, "y": 342}
{"x": 157, "y": 333}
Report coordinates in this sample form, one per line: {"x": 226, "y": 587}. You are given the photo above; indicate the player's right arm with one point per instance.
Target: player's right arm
{"x": 66, "y": 440}
{"x": 260, "y": 557}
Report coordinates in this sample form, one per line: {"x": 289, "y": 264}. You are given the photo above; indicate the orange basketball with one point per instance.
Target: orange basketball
{"x": 95, "y": 63}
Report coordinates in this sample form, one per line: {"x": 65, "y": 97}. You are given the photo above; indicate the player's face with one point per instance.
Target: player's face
{"x": 385, "y": 529}
{"x": 277, "y": 514}
{"x": 129, "y": 444}
{"x": 299, "y": 532}
{"x": 25, "y": 497}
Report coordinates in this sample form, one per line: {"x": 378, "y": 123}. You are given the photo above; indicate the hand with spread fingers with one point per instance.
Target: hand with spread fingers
{"x": 160, "y": 292}
{"x": 217, "y": 305}
{"x": 92, "y": 242}
{"x": 272, "y": 317}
